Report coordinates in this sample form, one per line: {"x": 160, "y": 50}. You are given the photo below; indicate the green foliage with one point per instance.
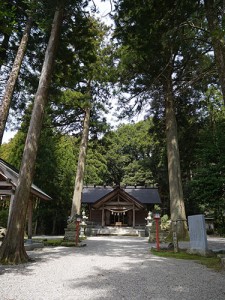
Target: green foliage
{"x": 4, "y": 217}
{"x": 7, "y": 17}
{"x": 53, "y": 242}
{"x": 55, "y": 174}
{"x": 96, "y": 167}
{"x": 165, "y": 223}
{"x": 12, "y": 152}
{"x": 66, "y": 160}
{"x": 138, "y": 172}
{"x": 128, "y": 153}
{"x": 206, "y": 187}
{"x": 145, "y": 57}
{"x": 7, "y": 23}
{"x": 157, "y": 208}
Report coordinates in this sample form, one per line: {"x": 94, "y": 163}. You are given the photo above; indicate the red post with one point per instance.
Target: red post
{"x": 157, "y": 233}
{"x": 77, "y": 231}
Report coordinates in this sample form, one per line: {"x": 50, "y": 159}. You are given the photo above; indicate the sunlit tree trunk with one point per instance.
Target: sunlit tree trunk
{"x": 7, "y": 97}
{"x": 12, "y": 250}
{"x": 177, "y": 208}
{"x": 79, "y": 180}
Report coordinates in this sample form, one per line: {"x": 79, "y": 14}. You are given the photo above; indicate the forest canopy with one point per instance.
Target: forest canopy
{"x": 162, "y": 60}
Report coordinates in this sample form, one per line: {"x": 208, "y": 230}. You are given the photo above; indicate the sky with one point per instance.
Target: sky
{"x": 7, "y": 136}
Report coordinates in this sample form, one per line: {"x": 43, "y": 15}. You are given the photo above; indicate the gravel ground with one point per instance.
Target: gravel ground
{"x": 108, "y": 268}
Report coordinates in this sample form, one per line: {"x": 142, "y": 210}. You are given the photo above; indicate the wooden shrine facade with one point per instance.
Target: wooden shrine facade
{"x": 8, "y": 183}
{"x": 128, "y": 206}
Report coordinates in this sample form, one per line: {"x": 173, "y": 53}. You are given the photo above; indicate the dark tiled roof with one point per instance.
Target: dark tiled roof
{"x": 92, "y": 194}
{"x": 12, "y": 173}
{"x": 143, "y": 195}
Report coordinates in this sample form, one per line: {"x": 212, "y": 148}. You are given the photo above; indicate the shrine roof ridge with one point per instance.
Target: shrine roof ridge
{"x": 91, "y": 194}
{"x": 153, "y": 186}
{"x": 11, "y": 174}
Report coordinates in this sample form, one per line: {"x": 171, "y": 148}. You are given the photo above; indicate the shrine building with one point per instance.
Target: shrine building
{"x": 119, "y": 206}
{"x": 8, "y": 183}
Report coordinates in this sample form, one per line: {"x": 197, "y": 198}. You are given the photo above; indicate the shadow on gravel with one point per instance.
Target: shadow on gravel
{"x": 122, "y": 268}
{"x": 143, "y": 276}
{"x": 97, "y": 246}
{"x": 38, "y": 256}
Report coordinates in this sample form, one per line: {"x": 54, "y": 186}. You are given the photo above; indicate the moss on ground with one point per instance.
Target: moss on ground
{"x": 57, "y": 242}
{"x": 211, "y": 261}
{"x": 52, "y": 242}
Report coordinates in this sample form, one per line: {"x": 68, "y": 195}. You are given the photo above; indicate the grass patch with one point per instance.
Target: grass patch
{"x": 72, "y": 244}
{"x": 68, "y": 244}
{"x": 52, "y": 242}
{"x": 211, "y": 261}
{"x": 57, "y": 242}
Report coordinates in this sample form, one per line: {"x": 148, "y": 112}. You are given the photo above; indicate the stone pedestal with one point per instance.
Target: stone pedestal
{"x": 198, "y": 237}
{"x": 70, "y": 232}
{"x": 71, "y": 229}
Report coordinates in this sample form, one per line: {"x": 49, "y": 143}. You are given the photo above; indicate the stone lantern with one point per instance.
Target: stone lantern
{"x": 149, "y": 224}
{"x": 83, "y": 225}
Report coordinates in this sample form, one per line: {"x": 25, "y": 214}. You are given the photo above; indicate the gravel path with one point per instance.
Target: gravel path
{"x": 109, "y": 268}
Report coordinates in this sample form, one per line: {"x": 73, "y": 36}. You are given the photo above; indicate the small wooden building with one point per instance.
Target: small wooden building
{"x": 119, "y": 206}
{"x": 8, "y": 183}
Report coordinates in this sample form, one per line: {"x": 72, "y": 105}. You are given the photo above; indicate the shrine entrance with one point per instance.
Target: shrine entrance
{"x": 119, "y": 206}
{"x": 118, "y": 209}
{"x": 119, "y": 219}
{"x": 115, "y": 218}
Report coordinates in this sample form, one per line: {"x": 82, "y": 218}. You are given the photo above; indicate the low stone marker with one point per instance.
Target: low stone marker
{"x": 2, "y": 233}
{"x": 198, "y": 237}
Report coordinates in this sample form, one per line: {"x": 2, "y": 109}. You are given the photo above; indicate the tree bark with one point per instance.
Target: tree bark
{"x": 217, "y": 36}
{"x": 177, "y": 208}
{"x": 79, "y": 180}
{"x": 12, "y": 250}
{"x": 10, "y": 86}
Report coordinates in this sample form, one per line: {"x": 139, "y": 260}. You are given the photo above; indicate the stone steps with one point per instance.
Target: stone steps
{"x": 120, "y": 231}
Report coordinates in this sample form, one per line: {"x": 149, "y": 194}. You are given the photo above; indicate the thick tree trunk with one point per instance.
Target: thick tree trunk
{"x": 54, "y": 224}
{"x": 79, "y": 180}
{"x": 217, "y": 36}
{"x": 177, "y": 208}
{"x": 7, "y": 98}
{"x": 12, "y": 250}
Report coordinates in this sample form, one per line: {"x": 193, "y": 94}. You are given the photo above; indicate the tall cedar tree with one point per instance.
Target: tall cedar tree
{"x": 152, "y": 36}
{"x": 10, "y": 86}
{"x": 12, "y": 250}
{"x": 79, "y": 180}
